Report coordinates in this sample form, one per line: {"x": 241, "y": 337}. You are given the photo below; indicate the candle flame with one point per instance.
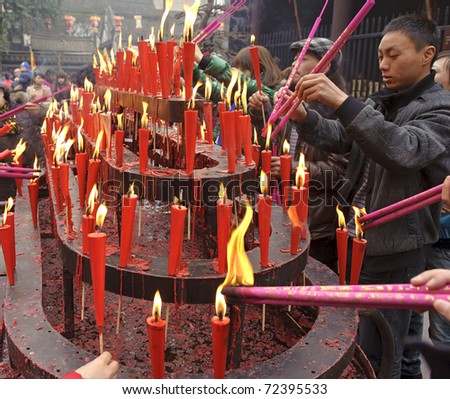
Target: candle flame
{"x": 94, "y": 61}
{"x": 130, "y": 41}
{"x": 172, "y": 31}
{"x": 358, "y": 213}
{"x": 191, "y": 104}
{"x": 202, "y": 130}
{"x": 252, "y": 40}
{"x": 221, "y": 305}
{"x": 176, "y": 201}
{"x": 169, "y": 4}
{"x": 66, "y": 148}
{"x": 119, "y": 44}
{"x": 107, "y": 97}
{"x": 80, "y": 140}
{"x": 152, "y": 38}
{"x": 131, "y": 189}
{"x": 244, "y": 96}
{"x": 120, "y": 121}
{"x": 88, "y": 86}
{"x": 264, "y": 183}
{"x": 208, "y": 88}
{"x": 9, "y": 205}
{"x": 222, "y": 92}
{"x": 341, "y": 217}
{"x": 286, "y": 147}
{"x": 300, "y": 175}
{"x": 36, "y": 165}
{"x": 93, "y": 195}
{"x": 269, "y": 135}
{"x": 144, "y": 118}
{"x": 74, "y": 93}
{"x": 101, "y": 214}
{"x": 255, "y": 136}
{"x": 189, "y": 21}
{"x": 240, "y": 270}
{"x": 20, "y": 149}
{"x": 157, "y": 305}
{"x": 222, "y": 193}
{"x": 97, "y": 145}
{"x": 234, "y": 78}
{"x": 66, "y": 108}
{"x": 5, "y": 215}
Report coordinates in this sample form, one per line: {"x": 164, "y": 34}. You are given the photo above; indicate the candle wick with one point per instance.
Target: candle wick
{"x": 220, "y": 315}
{"x": 156, "y": 317}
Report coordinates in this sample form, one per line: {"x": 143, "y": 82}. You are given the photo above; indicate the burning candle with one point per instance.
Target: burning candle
{"x": 33, "y": 193}
{"x": 153, "y": 66}
{"x": 17, "y": 161}
{"x": 188, "y": 47}
{"x": 177, "y": 72}
{"x": 221, "y": 108}
{"x": 156, "y": 327}
{"x": 299, "y": 202}
{"x": 264, "y": 219}
{"x": 190, "y": 126}
{"x": 266, "y": 155}
{"x": 246, "y": 129}
{"x": 220, "y": 325}
{"x": 285, "y": 161}
{"x": 129, "y": 203}
{"x": 143, "y": 47}
{"x": 8, "y": 246}
{"x": 97, "y": 252}
{"x": 81, "y": 162}
{"x": 342, "y": 243}
{"x": 94, "y": 165}
{"x": 228, "y": 131}
{"x": 120, "y": 58}
{"x": 254, "y": 55}
{"x": 88, "y": 219}
{"x": 144, "y": 136}
{"x": 358, "y": 249}
{"x": 224, "y": 207}
{"x": 177, "y": 219}
{"x": 161, "y": 51}
{"x": 305, "y": 195}
{"x": 256, "y": 149}
{"x": 207, "y": 111}
{"x": 118, "y": 140}
{"x": 171, "y": 44}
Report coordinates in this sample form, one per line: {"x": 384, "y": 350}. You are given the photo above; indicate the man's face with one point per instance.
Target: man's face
{"x": 400, "y": 63}
{"x": 307, "y": 65}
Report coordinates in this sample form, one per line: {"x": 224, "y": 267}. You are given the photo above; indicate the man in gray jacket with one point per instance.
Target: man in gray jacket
{"x": 399, "y": 142}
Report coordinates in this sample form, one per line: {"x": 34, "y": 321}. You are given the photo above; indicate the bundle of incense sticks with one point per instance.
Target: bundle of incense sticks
{"x": 294, "y": 101}
{"x": 18, "y": 169}
{"x": 296, "y": 66}
{"x": 15, "y": 111}
{"x": 12, "y": 175}
{"x": 401, "y": 208}
{"x": 216, "y": 23}
{"x": 356, "y": 296}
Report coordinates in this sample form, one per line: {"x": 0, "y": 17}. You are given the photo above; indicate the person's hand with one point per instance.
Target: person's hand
{"x": 275, "y": 168}
{"x": 257, "y": 101}
{"x": 101, "y": 367}
{"x": 198, "y": 55}
{"x": 434, "y": 280}
{"x": 446, "y": 192}
{"x": 300, "y": 112}
{"x": 33, "y": 109}
{"x": 318, "y": 87}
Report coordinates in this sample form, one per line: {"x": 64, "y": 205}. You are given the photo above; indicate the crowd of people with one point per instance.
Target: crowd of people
{"x": 367, "y": 154}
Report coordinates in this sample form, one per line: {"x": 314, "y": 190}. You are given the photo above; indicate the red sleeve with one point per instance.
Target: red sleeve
{"x": 73, "y": 375}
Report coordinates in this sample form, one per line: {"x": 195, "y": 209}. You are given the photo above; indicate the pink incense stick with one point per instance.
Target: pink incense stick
{"x": 401, "y": 212}
{"x": 415, "y": 199}
{"x": 216, "y": 23}
{"x": 296, "y": 296}
{"x": 15, "y": 111}
{"x": 299, "y": 60}
{"x": 17, "y": 169}
{"x": 17, "y": 175}
{"x": 294, "y": 101}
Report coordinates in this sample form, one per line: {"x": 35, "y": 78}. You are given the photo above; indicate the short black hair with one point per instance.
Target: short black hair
{"x": 422, "y": 31}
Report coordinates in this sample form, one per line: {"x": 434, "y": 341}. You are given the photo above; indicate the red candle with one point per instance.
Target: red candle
{"x": 129, "y": 203}
{"x": 11, "y": 222}
{"x": 170, "y": 58}
{"x": 92, "y": 175}
{"x": 176, "y": 74}
{"x": 228, "y": 131}
{"x": 161, "y": 51}
{"x": 254, "y": 54}
{"x": 286, "y": 165}
{"x": 8, "y": 246}
{"x": 64, "y": 178}
{"x": 208, "y": 116}
{"x": 144, "y": 48}
{"x": 188, "y": 67}
{"x": 88, "y": 97}
{"x": 246, "y": 130}
{"x": 88, "y": 227}
{"x": 97, "y": 253}
{"x": 190, "y": 125}
{"x": 156, "y": 329}
{"x": 266, "y": 155}
{"x": 120, "y": 65}
{"x": 305, "y": 197}
{"x": 144, "y": 135}
{"x": 33, "y": 193}
{"x": 238, "y": 133}
{"x": 299, "y": 202}
{"x": 5, "y": 154}
{"x": 177, "y": 218}
{"x": 221, "y": 108}
{"x": 342, "y": 244}
{"x": 264, "y": 219}
{"x": 56, "y": 189}
{"x": 220, "y": 326}
{"x": 358, "y": 250}
{"x": 81, "y": 163}
{"x": 129, "y": 55}
{"x": 153, "y": 65}
{"x": 18, "y": 163}
{"x": 224, "y": 207}
{"x": 118, "y": 146}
